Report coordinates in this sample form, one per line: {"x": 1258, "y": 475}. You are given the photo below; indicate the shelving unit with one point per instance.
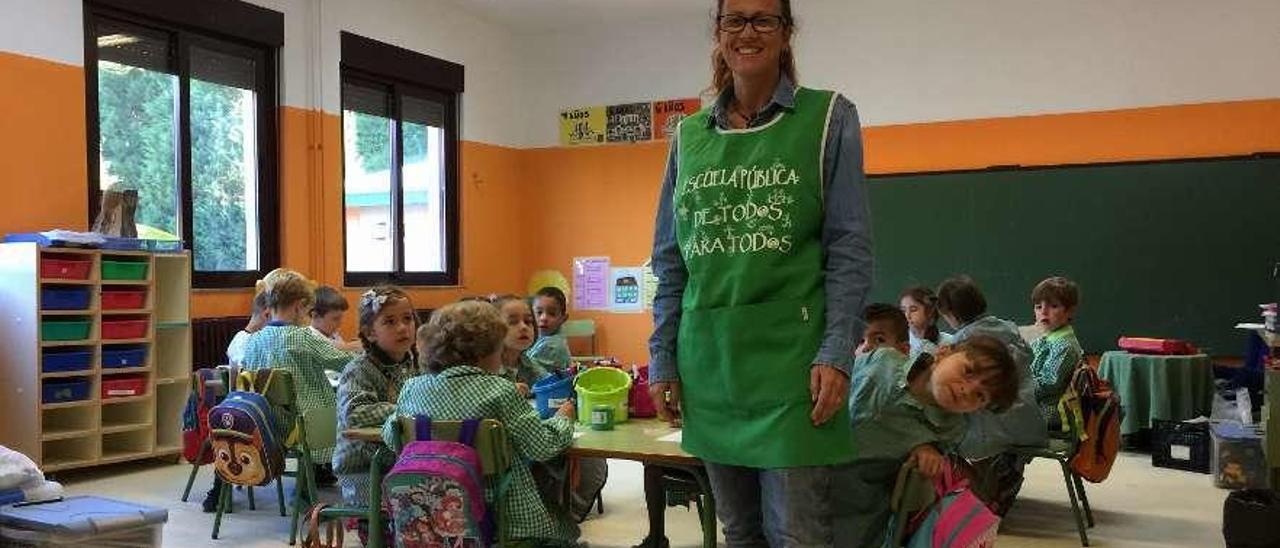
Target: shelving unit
{"x": 97, "y": 429}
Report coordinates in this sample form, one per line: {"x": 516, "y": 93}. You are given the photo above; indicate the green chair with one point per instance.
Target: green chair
{"x": 283, "y": 403}
{"x": 580, "y": 336}
{"x": 317, "y": 431}
{"x": 1062, "y": 447}
{"x": 494, "y": 451}
{"x": 383, "y": 459}
{"x": 912, "y": 494}
{"x": 219, "y": 389}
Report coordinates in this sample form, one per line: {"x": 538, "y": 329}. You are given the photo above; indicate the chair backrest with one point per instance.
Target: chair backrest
{"x": 491, "y": 441}
{"x": 580, "y": 335}
{"x": 913, "y": 493}
{"x": 321, "y": 427}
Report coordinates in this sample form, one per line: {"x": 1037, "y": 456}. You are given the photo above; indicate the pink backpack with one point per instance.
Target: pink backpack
{"x": 435, "y": 492}
{"x": 958, "y": 519}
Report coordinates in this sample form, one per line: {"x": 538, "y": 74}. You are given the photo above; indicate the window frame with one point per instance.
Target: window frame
{"x": 369, "y": 63}
{"x": 225, "y": 26}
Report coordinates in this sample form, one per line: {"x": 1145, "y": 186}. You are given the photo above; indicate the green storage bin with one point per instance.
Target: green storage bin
{"x": 63, "y": 330}
{"x": 124, "y": 270}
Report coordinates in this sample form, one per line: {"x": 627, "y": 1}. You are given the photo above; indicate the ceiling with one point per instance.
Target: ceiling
{"x": 563, "y": 15}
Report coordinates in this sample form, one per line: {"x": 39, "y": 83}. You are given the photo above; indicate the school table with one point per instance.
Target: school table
{"x": 649, "y": 441}
{"x": 1173, "y": 388}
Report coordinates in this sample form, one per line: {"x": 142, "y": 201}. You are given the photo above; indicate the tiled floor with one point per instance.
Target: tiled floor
{"x": 1139, "y": 506}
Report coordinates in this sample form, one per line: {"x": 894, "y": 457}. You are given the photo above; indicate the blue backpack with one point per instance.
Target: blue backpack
{"x": 242, "y": 437}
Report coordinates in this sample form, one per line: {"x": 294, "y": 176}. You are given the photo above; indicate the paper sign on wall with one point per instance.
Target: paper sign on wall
{"x": 625, "y": 289}
{"x": 581, "y": 126}
{"x": 591, "y": 283}
{"x": 629, "y": 123}
{"x": 667, "y": 115}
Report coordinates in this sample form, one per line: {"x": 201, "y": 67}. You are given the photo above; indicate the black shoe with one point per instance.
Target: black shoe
{"x": 648, "y": 542}
{"x": 210, "y": 504}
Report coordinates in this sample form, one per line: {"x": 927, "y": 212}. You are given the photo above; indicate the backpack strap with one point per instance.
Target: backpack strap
{"x": 422, "y": 427}
{"x": 467, "y": 434}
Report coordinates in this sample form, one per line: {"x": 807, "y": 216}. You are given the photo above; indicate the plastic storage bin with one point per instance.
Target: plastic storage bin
{"x": 1238, "y": 458}
{"x": 64, "y": 330}
{"x": 64, "y": 390}
{"x": 123, "y": 386}
{"x": 83, "y": 521}
{"x": 64, "y": 268}
{"x": 551, "y": 392}
{"x": 602, "y": 386}
{"x": 64, "y": 298}
{"x": 124, "y": 329}
{"x": 124, "y": 300}
{"x": 124, "y": 270}
{"x": 1180, "y": 445}
{"x": 124, "y": 356}
{"x": 60, "y": 360}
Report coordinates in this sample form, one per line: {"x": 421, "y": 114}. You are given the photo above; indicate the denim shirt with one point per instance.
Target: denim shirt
{"x": 846, "y": 238}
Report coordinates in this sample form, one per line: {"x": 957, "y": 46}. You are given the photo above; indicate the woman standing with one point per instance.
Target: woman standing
{"x": 763, "y": 252}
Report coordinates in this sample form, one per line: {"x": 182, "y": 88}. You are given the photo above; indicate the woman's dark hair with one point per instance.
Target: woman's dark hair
{"x": 929, "y": 301}
{"x": 722, "y": 77}
{"x": 960, "y": 298}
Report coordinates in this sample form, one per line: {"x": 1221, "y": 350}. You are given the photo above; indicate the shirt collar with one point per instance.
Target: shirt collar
{"x": 462, "y": 371}
{"x": 784, "y": 96}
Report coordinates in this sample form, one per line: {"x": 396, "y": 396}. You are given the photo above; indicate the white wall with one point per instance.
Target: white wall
{"x": 48, "y": 29}
{"x": 906, "y": 61}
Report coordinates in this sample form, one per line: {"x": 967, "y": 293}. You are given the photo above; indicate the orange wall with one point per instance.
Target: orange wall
{"x": 526, "y": 210}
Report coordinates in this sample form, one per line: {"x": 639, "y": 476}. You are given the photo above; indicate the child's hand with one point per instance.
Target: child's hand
{"x": 568, "y": 410}
{"x": 522, "y": 389}
{"x": 928, "y": 460}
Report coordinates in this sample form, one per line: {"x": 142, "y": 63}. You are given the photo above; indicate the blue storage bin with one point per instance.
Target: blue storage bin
{"x": 58, "y": 360}
{"x": 552, "y": 391}
{"x": 65, "y": 390}
{"x": 123, "y": 356}
{"x": 83, "y": 521}
{"x": 64, "y": 298}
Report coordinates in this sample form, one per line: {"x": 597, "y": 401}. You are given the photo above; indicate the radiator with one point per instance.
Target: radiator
{"x": 210, "y": 337}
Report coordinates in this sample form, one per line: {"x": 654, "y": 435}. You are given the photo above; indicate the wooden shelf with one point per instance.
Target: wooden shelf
{"x": 122, "y": 311}
{"x": 172, "y": 325}
{"x": 64, "y": 374}
{"x": 66, "y": 312}
{"x": 116, "y": 429}
{"x": 128, "y": 399}
{"x": 52, "y": 434}
{"x": 166, "y": 381}
{"x": 109, "y": 457}
{"x": 68, "y": 405}
{"x": 125, "y": 341}
{"x": 60, "y": 281}
{"x": 54, "y": 464}
{"x": 81, "y": 342}
{"x": 168, "y": 450}
{"x": 108, "y": 371}
{"x": 126, "y": 282}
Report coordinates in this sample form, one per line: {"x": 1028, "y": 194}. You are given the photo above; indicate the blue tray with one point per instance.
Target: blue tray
{"x": 125, "y": 356}
{"x": 57, "y": 361}
{"x": 64, "y": 298}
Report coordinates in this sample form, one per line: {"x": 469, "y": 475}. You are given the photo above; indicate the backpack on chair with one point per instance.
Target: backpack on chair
{"x": 1093, "y": 408}
{"x": 207, "y": 390}
{"x": 242, "y": 433}
{"x": 434, "y": 494}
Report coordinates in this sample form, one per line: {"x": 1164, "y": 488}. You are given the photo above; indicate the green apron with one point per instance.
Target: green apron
{"x": 749, "y": 216}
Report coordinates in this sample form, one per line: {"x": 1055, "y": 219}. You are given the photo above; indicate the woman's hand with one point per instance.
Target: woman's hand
{"x": 828, "y": 388}
{"x": 666, "y": 398}
{"x": 928, "y": 460}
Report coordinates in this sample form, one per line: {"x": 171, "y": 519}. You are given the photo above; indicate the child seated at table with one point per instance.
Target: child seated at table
{"x": 911, "y": 409}
{"x": 370, "y": 384}
{"x": 462, "y": 347}
{"x": 551, "y": 350}
{"x": 1057, "y": 353}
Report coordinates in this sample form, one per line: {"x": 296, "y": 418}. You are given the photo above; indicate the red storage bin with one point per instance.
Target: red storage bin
{"x": 124, "y": 300}
{"x": 64, "y": 269}
{"x": 123, "y": 386}
{"x": 124, "y": 329}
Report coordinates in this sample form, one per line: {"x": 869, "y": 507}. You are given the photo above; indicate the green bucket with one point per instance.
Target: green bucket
{"x": 602, "y": 386}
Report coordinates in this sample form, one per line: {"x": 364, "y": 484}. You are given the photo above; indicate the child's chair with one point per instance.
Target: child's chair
{"x": 279, "y": 394}
{"x": 317, "y": 431}
{"x": 371, "y": 512}
{"x": 682, "y": 484}
{"x": 495, "y": 458}
{"x": 580, "y": 336}
{"x": 216, "y": 389}
{"x": 1062, "y": 447}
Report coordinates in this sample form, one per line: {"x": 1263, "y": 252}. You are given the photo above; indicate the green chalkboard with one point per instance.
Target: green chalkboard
{"x": 1180, "y": 249}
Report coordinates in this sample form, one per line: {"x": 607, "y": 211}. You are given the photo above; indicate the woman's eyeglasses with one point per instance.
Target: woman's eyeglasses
{"x": 763, "y": 24}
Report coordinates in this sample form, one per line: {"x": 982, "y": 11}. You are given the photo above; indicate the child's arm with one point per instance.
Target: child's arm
{"x": 533, "y": 438}
{"x": 529, "y": 372}
{"x": 552, "y": 355}
{"x": 362, "y": 400}
{"x": 325, "y": 354}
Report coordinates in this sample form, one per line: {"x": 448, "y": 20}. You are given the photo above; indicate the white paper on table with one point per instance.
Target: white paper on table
{"x": 673, "y": 437}
{"x": 577, "y": 435}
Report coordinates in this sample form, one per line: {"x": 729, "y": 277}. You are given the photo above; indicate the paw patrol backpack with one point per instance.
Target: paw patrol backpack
{"x": 242, "y": 437}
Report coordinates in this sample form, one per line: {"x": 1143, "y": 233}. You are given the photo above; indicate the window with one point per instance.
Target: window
{"x": 186, "y": 116}
{"x": 400, "y": 158}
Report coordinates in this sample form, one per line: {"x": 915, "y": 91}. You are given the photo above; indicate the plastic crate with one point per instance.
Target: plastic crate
{"x": 64, "y": 298}
{"x": 124, "y": 300}
{"x": 1239, "y": 461}
{"x": 125, "y": 356}
{"x": 83, "y": 521}
{"x": 64, "y": 269}
{"x": 61, "y": 360}
{"x": 1180, "y": 445}
{"x": 64, "y": 330}
{"x": 124, "y": 329}
{"x": 64, "y": 390}
{"x": 123, "y": 386}
{"x": 124, "y": 270}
